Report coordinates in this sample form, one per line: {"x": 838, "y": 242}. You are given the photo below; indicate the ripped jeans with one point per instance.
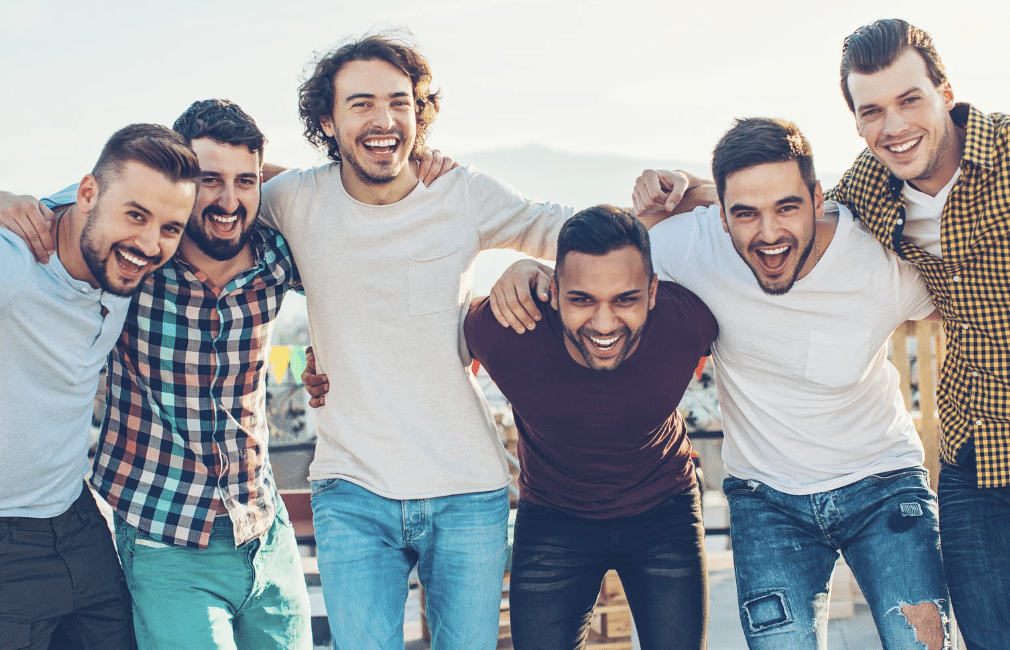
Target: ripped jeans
{"x": 785, "y": 547}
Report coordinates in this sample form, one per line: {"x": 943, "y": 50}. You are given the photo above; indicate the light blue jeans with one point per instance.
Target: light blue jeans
{"x": 251, "y": 598}
{"x": 368, "y": 544}
{"x": 785, "y": 547}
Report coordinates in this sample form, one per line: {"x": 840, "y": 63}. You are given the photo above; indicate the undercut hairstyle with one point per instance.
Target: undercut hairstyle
{"x": 222, "y": 121}
{"x": 316, "y": 95}
{"x": 873, "y": 47}
{"x": 600, "y": 230}
{"x": 758, "y": 141}
{"x": 152, "y": 145}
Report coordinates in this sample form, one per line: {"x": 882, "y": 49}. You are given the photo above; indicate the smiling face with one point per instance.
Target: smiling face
{"x": 905, "y": 121}
{"x": 227, "y": 200}
{"x": 375, "y": 124}
{"x": 604, "y": 302}
{"x": 133, "y": 225}
{"x": 770, "y": 215}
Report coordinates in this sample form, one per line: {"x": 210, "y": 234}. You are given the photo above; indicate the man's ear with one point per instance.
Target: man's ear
{"x": 653, "y": 288}
{"x": 326, "y": 121}
{"x": 554, "y": 294}
{"x": 722, "y": 217}
{"x": 818, "y": 201}
{"x": 87, "y": 194}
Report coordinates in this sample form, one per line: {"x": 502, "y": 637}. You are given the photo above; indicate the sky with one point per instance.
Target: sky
{"x": 634, "y": 78}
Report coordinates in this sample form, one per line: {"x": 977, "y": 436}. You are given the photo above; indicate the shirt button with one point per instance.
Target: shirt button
{"x": 978, "y": 423}
{"x": 964, "y": 326}
{"x": 956, "y": 279}
{"x": 900, "y": 221}
{"x": 974, "y": 373}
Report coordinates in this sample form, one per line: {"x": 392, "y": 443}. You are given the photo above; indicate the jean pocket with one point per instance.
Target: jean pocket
{"x": 896, "y": 474}
{"x": 738, "y": 487}
{"x": 533, "y": 509}
{"x": 318, "y": 487}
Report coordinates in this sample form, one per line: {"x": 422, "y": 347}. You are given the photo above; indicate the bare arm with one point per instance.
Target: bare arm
{"x": 31, "y": 220}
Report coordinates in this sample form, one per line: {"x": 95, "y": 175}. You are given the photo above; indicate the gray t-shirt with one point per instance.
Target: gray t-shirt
{"x": 388, "y": 287}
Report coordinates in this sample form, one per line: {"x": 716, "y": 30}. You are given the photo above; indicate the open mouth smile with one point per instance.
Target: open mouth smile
{"x": 130, "y": 264}
{"x": 903, "y": 147}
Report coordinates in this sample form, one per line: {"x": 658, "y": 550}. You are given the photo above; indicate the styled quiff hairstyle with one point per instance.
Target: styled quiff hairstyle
{"x": 873, "y": 47}
{"x": 222, "y": 121}
{"x": 316, "y": 94}
{"x": 758, "y": 141}
{"x": 152, "y": 145}
{"x": 599, "y": 230}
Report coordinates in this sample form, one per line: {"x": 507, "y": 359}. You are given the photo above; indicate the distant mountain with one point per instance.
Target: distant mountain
{"x": 579, "y": 180}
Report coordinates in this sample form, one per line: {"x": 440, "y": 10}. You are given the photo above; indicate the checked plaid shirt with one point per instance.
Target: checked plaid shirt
{"x": 970, "y": 285}
{"x": 186, "y": 428}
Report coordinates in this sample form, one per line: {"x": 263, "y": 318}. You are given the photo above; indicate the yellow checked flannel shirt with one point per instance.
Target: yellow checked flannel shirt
{"x": 970, "y": 285}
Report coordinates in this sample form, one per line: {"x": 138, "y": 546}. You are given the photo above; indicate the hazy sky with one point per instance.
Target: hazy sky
{"x": 629, "y": 77}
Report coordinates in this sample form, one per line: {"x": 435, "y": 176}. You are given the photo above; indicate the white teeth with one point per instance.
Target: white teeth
{"x": 132, "y": 259}
{"x": 773, "y": 251}
{"x": 604, "y": 343}
{"x": 224, "y": 219}
{"x": 900, "y": 148}
{"x": 389, "y": 142}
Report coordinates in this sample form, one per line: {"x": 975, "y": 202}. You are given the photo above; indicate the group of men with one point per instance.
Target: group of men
{"x": 799, "y": 300}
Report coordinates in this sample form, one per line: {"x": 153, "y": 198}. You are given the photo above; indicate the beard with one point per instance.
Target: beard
{"x": 388, "y": 173}
{"x": 578, "y": 340}
{"x": 99, "y": 266}
{"x": 773, "y": 290}
{"x": 216, "y": 247}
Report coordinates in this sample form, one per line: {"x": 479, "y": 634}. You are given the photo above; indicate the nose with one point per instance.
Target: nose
{"x": 894, "y": 122}
{"x": 604, "y": 319}
{"x": 382, "y": 117}
{"x": 148, "y": 240}
{"x": 228, "y": 199}
{"x": 769, "y": 229}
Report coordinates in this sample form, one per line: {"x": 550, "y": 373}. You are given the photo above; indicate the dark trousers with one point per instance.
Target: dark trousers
{"x": 975, "y": 533}
{"x": 559, "y": 561}
{"x": 61, "y": 586}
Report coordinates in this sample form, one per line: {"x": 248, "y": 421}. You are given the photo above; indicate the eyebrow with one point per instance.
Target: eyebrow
{"x": 207, "y": 172}
{"x": 575, "y": 293}
{"x": 140, "y": 208}
{"x": 786, "y": 200}
{"x": 350, "y": 98}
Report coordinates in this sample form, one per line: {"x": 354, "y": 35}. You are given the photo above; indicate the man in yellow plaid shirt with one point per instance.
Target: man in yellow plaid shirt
{"x": 933, "y": 186}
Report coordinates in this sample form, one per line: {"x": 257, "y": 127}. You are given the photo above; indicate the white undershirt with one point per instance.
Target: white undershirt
{"x": 922, "y": 216}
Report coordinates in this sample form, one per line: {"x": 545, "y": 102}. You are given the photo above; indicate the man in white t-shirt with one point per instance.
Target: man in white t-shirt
{"x": 821, "y": 454}
{"x": 408, "y": 467}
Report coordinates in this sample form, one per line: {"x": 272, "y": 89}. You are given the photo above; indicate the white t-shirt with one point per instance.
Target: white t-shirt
{"x": 922, "y": 216}
{"x": 388, "y": 288}
{"x": 809, "y": 401}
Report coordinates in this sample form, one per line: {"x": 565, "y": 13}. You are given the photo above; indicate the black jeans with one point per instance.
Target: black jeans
{"x": 61, "y": 586}
{"x": 559, "y": 561}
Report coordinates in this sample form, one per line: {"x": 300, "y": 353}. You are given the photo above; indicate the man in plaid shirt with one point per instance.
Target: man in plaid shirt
{"x": 933, "y": 186}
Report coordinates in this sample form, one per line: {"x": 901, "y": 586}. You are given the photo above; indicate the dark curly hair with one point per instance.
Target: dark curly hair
{"x": 316, "y": 94}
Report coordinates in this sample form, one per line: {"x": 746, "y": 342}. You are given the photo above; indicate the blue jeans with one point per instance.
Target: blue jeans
{"x": 785, "y": 547}
{"x": 559, "y": 561}
{"x": 975, "y": 529}
{"x": 368, "y": 544}
{"x": 250, "y": 597}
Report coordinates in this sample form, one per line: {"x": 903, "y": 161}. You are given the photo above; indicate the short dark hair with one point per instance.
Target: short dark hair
{"x": 153, "y": 145}
{"x": 873, "y": 47}
{"x": 758, "y": 141}
{"x": 316, "y": 94}
{"x": 602, "y": 229}
{"x": 222, "y": 121}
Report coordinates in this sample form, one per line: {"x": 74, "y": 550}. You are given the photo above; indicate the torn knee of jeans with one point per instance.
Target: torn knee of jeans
{"x": 905, "y": 517}
{"x": 767, "y": 611}
{"x": 929, "y": 623}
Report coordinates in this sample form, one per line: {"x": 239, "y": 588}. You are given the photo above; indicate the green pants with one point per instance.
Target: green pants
{"x": 247, "y": 598}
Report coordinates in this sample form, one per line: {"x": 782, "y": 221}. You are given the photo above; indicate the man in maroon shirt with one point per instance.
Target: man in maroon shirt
{"x": 607, "y": 479}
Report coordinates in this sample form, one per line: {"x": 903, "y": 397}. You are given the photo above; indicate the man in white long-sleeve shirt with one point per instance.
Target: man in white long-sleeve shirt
{"x": 408, "y": 466}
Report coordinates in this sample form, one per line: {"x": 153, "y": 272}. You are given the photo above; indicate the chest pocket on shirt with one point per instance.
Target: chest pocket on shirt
{"x": 433, "y": 282}
{"x": 837, "y": 359}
